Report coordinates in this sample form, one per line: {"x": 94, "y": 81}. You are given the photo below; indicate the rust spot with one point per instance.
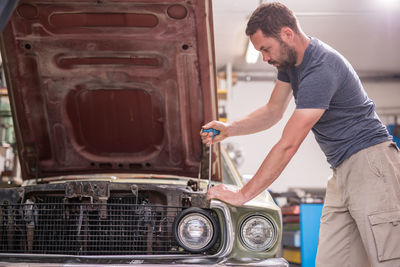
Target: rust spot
{"x": 177, "y": 12}
{"x": 75, "y": 20}
{"x": 27, "y": 11}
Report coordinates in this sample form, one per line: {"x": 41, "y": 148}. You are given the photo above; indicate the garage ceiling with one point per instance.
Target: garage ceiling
{"x": 366, "y": 32}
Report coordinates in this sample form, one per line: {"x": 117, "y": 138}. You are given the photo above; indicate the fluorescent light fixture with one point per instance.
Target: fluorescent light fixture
{"x": 251, "y": 54}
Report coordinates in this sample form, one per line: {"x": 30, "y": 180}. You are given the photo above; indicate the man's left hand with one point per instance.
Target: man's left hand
{"x": 226, "y": 194}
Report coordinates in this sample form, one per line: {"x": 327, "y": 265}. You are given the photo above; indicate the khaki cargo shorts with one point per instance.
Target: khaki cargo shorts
{"x": 360, "y": 223}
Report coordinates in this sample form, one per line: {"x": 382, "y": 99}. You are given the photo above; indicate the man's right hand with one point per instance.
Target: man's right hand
{"x": 207, "y": 139}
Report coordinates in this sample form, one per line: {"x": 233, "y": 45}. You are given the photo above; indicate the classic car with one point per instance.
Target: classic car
{"x": 108, "y": 98}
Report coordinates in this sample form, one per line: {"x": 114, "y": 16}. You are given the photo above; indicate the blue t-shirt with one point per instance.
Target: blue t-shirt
{"x": 326, "y": 80}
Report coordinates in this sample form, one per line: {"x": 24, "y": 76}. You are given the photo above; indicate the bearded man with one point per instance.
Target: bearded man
{"x": 360, "y": 223}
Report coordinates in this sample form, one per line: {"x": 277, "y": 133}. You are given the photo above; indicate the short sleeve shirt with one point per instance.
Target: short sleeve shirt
{"x": 326, "y": 80}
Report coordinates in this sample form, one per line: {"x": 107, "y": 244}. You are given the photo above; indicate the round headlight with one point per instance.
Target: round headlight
{"x": 257, "y": 233}
{"x": 195, "y": 230}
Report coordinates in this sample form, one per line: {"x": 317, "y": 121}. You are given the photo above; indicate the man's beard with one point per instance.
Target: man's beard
{"x": 288, "y": 57}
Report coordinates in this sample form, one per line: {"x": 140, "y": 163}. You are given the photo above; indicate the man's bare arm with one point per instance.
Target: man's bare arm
{"x": 296, "y": 130}
{"x": 260, "y": 119}
{"x": 266, "y": 116}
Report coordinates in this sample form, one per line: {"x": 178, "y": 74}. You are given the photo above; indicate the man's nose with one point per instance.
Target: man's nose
{"x": 265, "y": 57}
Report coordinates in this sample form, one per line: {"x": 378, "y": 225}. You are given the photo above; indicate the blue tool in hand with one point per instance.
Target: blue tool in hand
{"x": 214, "y": 133}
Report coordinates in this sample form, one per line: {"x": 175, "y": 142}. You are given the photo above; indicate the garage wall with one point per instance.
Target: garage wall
{"x": 308, "y": 168}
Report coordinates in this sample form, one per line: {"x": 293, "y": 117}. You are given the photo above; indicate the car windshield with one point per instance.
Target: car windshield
{"x": 229, "y": 173}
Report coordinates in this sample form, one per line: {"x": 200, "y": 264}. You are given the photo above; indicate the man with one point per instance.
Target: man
{"x": 360, "y": 224}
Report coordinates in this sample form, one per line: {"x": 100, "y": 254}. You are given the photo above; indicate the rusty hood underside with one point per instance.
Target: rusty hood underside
{"x": 110, "y": 86}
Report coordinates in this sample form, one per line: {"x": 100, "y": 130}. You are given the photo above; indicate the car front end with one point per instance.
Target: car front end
{"x": 108, "y": 98}
{"x": 135, "y": 220}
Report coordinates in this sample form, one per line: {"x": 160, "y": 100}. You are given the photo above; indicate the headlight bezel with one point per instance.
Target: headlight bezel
{"x": 270, "y": 221}
{"x": 194, "y": 211}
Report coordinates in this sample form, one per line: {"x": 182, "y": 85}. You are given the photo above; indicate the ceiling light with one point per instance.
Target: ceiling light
{"x": 251, "y": 54}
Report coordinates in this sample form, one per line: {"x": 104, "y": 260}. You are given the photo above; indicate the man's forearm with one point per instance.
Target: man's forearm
{"x": 259, "y": 120}
{"x": 269, "y": 171}
{"x": 266, "y": 116}
{"x": 296, "y": 129}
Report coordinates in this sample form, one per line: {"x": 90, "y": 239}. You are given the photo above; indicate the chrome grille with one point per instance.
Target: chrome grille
{"x": 118, "y": 227}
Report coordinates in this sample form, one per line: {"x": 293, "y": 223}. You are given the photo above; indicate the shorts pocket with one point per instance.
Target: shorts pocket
{"x": 386, "y": 230}
{"x": 375, "y": 162}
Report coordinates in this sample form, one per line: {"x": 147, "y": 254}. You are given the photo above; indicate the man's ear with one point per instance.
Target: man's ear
{"x": 287, "y": 34}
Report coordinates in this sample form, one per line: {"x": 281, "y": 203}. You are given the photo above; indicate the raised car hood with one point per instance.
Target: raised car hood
{"x": 110, "y": 86}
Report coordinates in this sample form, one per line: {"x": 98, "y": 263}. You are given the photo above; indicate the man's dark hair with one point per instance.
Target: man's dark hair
{"x": 270, "y": 18}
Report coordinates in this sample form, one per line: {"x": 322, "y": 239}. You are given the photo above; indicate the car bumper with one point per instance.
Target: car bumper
{"x": 272, "y": 262}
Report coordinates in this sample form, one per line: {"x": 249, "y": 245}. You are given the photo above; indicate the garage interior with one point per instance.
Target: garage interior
{"x": 366, "y": 32}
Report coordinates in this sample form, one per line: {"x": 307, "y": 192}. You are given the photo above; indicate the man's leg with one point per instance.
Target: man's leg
{"x": 370, "y": 182}
{"x": 339, "y": 241}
